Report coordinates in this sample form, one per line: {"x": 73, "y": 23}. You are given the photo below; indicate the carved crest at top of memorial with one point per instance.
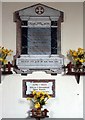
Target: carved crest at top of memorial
{"x": 38, "y": 39}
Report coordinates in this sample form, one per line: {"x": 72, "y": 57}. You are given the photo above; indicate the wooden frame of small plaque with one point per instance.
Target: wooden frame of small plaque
{"x": 38, "y": 85}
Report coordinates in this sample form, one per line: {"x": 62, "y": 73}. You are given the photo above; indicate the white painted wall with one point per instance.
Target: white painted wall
{"x": 84, "y": 48}
{"x": 0, "y": 23}
{"x": 0, "y": 45}
{"x": 66, "y": 104}
{"x": 0, "y": 101}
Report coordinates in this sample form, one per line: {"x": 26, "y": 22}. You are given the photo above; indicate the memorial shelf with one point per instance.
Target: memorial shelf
{"x": 74, "y": 71}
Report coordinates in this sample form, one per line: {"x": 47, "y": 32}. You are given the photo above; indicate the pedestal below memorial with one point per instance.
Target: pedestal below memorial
{"x": 51, "y": 64}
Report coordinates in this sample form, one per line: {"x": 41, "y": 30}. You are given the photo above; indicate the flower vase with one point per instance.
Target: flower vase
{"x": 78, "y": 67}
{"x": 4, "y": 68}
{"x": 38, "y": 112}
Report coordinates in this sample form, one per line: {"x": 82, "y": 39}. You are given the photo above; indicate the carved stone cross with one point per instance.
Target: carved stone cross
{"x": 39, "y": 10}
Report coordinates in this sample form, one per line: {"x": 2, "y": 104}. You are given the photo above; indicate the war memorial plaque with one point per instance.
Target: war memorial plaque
{"x": 38, "y": 40}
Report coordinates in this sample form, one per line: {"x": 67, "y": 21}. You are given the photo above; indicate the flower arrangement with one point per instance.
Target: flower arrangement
{"x": 39, "y": 98}
{"x": 76, "y": 57}
{"x": 3, "y": 54}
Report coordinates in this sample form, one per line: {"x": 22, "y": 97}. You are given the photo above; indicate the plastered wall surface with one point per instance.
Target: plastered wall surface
{"x": 84, "y": 48}
{"x": 66, "y": 97}
{"x": 0, "y": 45}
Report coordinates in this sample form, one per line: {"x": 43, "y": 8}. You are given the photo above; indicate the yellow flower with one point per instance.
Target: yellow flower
{"x": 10, "y": 50}
{"x": 41, "y": 92}
{"x": 76, "y": 59}
{"x": 81, "y": 60}
{"x": 35, "y": 97}
{"x": 42, "y": 98}
{"x": 5, "y": 61}
{"x": 34, "y": 92}
{"x": 4, "y": 53}
{"x": 37, "y": 105}
{"x": 29, "y": 98}
{"x": 9, "y": 54}
{"x": 74, "y": 53}
{"x": 1, "y": 59}
{"x": 76, "y": 56}
{"x": 80, "y": 51}
{"x": 39, "y": 98}
{"x": 46, "y": 93}
{"x": 49, "y": 96}
{"x": 71, "y": 52}
{"x": 38, "y": 94}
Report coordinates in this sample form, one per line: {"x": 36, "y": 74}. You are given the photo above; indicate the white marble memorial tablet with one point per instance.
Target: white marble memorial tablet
{"x": 45, "y": 85}
{"x": 38, "y": 40}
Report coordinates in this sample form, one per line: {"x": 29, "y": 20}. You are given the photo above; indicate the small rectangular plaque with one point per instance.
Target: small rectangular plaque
{"x": 47, "y": 86}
